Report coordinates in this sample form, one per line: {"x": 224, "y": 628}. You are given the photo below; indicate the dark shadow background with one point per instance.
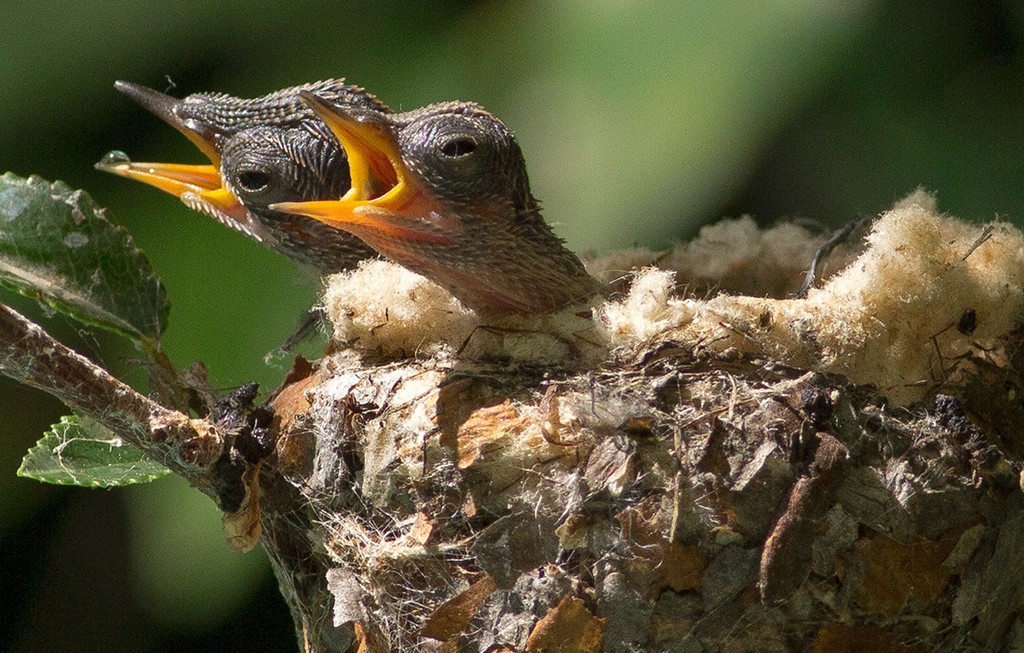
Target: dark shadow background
{"x": 638, "y": 127}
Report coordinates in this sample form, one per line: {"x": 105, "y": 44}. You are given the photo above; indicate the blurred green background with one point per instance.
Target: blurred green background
{"x": 639, "y": 121}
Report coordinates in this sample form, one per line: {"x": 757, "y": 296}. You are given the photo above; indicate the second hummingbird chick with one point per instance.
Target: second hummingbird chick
{"x": 262, "y": 150}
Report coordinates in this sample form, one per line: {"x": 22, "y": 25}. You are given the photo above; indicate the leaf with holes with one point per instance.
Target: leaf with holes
{"x": 58, "y": 246}
{"x": 80, "y": 451}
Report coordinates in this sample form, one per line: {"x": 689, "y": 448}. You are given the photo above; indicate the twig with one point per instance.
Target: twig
{"x": 28, "y": 354}
{"x": 839, "y": 236}
{"x": 986, "y": 233}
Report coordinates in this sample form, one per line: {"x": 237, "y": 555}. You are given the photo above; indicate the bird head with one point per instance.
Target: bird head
{"x": 263, "y": 150}
{"x": 443, "y": 191}
{"x": 200, "y": 187}
{"x": 264, "y": 165}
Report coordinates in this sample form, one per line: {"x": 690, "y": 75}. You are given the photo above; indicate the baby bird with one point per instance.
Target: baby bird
{"x": 261, "y": 151}
{"x": 443, "y": 191}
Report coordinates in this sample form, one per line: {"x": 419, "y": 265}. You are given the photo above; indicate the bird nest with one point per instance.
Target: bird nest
{"x": 665, "y": 472}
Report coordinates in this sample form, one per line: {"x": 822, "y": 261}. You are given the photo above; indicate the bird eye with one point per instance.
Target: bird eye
{"x": 253, "y": 181}
{"x": 458, "y": 147}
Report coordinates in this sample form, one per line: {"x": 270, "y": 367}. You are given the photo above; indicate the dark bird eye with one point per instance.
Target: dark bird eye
{"x": 253, "y": 180}
{"x": 458, "y": 147}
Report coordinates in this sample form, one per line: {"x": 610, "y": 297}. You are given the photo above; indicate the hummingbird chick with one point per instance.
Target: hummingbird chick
{"x": 443, "y": 191}
{"x": 261, "y": 151}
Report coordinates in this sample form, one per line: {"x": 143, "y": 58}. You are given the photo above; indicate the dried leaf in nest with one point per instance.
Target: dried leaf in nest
{"x": 492, "y": 436}
{"x": 242, "y": 527}
{"x": 568, "y": 628}
{"x": 895, "y": 572}
{"x": 839, "y": 638}
{"x": 452, "y": 617}
{"x": 678, "y": 567}
{"x": 366, "y": 642}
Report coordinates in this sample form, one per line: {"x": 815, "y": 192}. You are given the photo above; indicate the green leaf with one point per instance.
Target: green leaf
{"x": 58, "y": 246}
{"x": 80, "y": 451}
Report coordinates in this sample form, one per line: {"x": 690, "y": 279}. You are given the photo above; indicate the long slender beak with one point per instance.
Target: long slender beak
{"x": 382, "y": 188}
{"x": 165, "y": 108}
{"x": 173, "y": 178}
{"x": 200, "y": 187}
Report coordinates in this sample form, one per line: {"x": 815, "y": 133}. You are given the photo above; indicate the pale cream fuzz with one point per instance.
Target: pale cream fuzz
{"x": 736, "y": 256}
{"x": 384, "y": 308}
{"x": 646, "y": 311}
{"x": 888, "y": 319}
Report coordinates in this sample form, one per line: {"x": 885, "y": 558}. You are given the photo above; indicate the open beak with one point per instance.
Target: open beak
{"x": 200, "y": 187}
{"x": 384, "y": 197}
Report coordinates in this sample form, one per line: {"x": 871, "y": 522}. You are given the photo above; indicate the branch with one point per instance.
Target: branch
{"x": 28, "y": 354}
